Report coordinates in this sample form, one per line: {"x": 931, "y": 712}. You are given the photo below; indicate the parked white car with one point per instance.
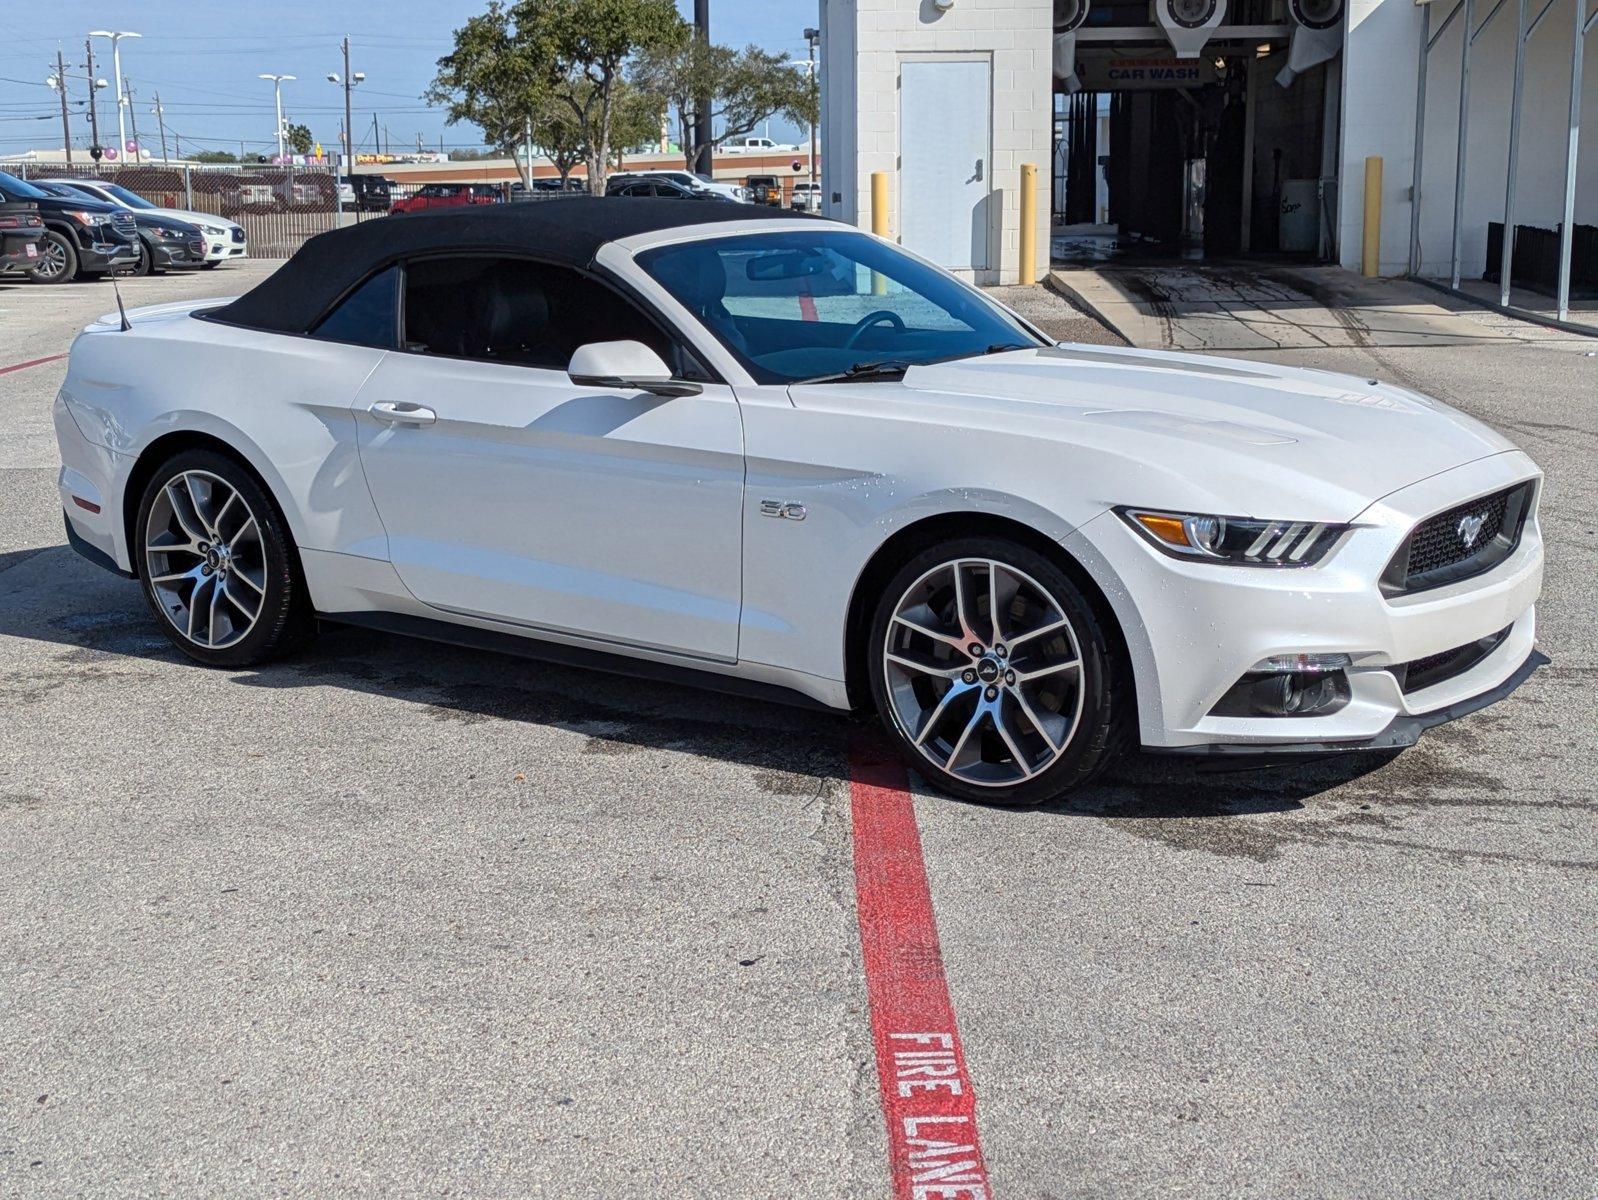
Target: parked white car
{"x": 786, "y": 457}
{"x": 757, "y": 145}
{"x": 224, "y": 239}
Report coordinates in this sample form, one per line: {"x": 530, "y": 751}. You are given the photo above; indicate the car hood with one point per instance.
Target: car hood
{"x": 1238, "y": 429}
{"x": 193, "y": 218}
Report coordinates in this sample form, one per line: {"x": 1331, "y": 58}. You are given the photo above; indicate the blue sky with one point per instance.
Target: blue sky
{"x": 203, "y": 59}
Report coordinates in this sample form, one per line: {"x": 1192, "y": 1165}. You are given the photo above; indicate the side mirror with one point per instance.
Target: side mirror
{"x": 629, "y": 365}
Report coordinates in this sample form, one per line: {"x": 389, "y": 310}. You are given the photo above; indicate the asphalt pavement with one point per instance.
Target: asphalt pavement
{"x": 396, "y": 919}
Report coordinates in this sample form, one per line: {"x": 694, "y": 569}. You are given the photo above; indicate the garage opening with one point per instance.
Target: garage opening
{"x": 1195, "y": 128}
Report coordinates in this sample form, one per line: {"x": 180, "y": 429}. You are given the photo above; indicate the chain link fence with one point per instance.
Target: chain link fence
{"x": 279, "y": 207}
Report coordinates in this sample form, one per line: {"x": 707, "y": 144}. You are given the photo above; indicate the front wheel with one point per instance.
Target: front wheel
{"x": 145, "y": 263}
{"x": 58, "y": 259}
{"x": 218, "y": 565}
{"x": 994, "y": 674}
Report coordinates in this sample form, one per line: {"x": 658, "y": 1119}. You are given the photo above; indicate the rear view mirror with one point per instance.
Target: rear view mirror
{"x": 786, "y": 264}
{"x": 631, "y": 366}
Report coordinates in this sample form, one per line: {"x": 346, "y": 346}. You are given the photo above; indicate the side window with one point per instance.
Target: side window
{"x": 513, "y": 311}
{"x": 368, "y": 316}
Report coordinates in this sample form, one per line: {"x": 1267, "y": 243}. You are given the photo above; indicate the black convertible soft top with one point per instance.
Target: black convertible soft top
{"x": 566, "y": 230}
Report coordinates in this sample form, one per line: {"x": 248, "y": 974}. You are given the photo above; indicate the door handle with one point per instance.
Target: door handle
{"x": 397, "y": 412}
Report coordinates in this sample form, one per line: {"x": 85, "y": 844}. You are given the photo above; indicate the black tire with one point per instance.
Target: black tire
{"x": 61, "y": 249}
{"x": 145, "y": 263}
{"x": 1102, "y": 724}
{"x": 285, "y": 620}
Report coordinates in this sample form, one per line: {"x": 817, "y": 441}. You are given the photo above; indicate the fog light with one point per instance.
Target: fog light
{"x": 1289, "y": 685}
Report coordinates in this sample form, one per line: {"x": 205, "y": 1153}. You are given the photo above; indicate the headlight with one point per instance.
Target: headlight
{"x": 214, "y": 231}
{"x": 87, "y": 218}
{"x": 1235, "y": 540}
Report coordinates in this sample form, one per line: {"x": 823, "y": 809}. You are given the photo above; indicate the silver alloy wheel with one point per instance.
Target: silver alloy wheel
{"x": 53, "y": 262}
{"x": 205, "y": 560}
{"x": 984, "y": 672}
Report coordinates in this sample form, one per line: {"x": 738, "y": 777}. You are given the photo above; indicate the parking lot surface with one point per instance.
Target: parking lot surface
{"x": 392, "y": 918}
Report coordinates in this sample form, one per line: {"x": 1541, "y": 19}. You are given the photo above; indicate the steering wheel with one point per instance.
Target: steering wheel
{"x": 870, "y": 319}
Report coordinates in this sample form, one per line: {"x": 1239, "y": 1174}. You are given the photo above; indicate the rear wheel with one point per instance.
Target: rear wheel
{"x": 994, "y": 674}
{"x": 218, "y": 564}
{"x": 58, "y": 259}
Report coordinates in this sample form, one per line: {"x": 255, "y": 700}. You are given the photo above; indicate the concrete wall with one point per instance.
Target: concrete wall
{"x": 865, "y": 43}
{"x": 1380, "y": 61}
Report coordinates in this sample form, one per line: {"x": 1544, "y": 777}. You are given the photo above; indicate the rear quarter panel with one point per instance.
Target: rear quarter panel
{"x": 281, "y": 402}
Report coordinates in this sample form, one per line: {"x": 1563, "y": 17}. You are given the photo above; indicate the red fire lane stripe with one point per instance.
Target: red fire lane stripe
{"x": 933, "y": 1149}
{"x": 32, "y": 362}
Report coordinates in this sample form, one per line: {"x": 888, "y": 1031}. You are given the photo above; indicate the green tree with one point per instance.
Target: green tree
{"x": 299, "y": 139}
{"x": 745, "y": 88}
{"x": 214, "y": 156}
{"x": 515, "y": 64}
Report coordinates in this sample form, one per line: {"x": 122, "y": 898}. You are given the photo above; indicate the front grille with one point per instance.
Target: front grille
{"x": 1469, "y": 539}
{"x": 1438, "y": 668}
{"x": 238, "y": 235}
{"x": 124, "y": 224}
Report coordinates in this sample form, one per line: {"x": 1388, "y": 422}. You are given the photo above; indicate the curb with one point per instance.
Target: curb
{"x": 1077, "y": 300}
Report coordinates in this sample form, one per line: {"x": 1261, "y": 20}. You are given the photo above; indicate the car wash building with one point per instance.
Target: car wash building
{"x": 1218, "y": 128}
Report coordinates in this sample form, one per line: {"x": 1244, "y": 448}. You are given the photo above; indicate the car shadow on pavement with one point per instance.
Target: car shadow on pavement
{"x": 94, "y": 614}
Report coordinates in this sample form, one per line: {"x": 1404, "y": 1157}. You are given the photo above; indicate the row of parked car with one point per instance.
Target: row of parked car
{"x": 56, "y": 230}
{"x": 759, "y": 189}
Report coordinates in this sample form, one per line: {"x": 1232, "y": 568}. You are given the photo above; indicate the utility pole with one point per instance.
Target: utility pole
{"x": 95, "y": 149}
{"x": 703, "y": 134}
{"x": 133, "y": 122}
{"x": 812, "y": 36}
{"x": 349, "y": 119}
{"x": 160, "y": 119}
{"x": 61, "y": 89}
{"x": 277, "y": 99}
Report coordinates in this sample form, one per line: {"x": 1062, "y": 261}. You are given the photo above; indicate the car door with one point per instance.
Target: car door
{"x": 510, "y": 493}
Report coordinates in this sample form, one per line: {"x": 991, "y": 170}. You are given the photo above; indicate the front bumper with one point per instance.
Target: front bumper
{"x": 96, "y": 258}
{"x": 1194, "y": 629}
{"x": 177, "y": 253}
{"x": 228, "y": 245}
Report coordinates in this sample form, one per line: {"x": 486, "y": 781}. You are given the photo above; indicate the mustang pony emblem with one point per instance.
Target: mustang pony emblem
{"x": 1470, "y": 528}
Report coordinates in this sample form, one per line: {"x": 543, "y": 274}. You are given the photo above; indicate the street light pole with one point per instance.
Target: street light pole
{"x": 704, "y": 162}
{"x": 812, "y": 36}
{"x": 116, "y": 37}
{"x": 277, "y": 98}
{"x": 133, "y": 122}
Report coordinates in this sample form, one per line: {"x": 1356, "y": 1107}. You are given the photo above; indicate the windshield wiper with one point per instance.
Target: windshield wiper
{"x": 886, "y": 368}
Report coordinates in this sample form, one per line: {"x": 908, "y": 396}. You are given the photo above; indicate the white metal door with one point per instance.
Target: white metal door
{"x": 945, "y": 170}
{"x": 511, "y": 493}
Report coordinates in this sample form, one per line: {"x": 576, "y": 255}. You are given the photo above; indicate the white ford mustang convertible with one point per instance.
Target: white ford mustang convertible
{"x": 796, "y": 460}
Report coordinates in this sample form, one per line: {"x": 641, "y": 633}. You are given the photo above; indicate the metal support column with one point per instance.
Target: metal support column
{"x": 1506, "y": 255}
{"x": 1459, "y": 154}
{"x": 1420, "y": 139}
{"x": 1567, "y": 228}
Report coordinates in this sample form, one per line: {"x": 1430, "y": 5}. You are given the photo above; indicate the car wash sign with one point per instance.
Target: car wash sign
{"x": 1143, "y": 74}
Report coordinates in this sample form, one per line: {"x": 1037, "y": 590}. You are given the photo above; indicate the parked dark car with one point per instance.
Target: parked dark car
{"x": 21, "y": 232}
{"x": 447, "y": 195}
{"x": 165, "y": 243}
{"x": 371, "y": 193}
{"x": 82, "y": 237}
{"x": 644, "y": 186}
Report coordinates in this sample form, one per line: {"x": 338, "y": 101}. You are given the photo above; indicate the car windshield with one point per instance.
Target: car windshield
{"x": 20, "y": 189}
{"x": 817, "y": 304}
{"x": 131, "y": 199}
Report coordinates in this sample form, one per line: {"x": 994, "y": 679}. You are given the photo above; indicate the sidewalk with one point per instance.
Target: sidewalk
{"x": 1264, "y": 307}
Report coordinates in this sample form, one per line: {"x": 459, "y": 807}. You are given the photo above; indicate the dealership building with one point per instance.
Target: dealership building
{"x": 1222, "y": 127}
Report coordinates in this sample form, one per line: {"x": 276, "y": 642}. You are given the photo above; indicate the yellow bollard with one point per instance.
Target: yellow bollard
{"x": 1371, "y": 251}
{"x": 1029, "y": 223}
{"x": 879, "y": 224}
